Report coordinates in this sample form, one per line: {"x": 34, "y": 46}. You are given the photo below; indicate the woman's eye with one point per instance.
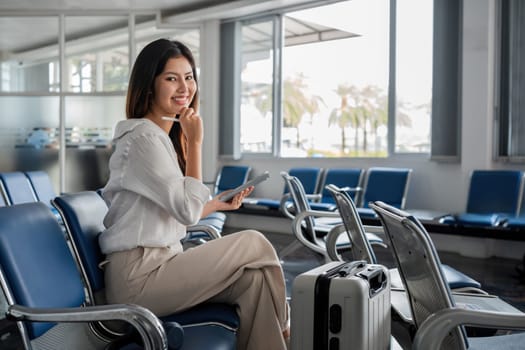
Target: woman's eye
{"x": 171, "y": 79}
{"x": 189, "y": 77}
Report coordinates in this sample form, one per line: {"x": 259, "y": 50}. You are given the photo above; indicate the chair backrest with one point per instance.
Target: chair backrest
{"x": 37, "y": 267}
{"x": 301, "y": 204}
{"x": 361, "y": 248}
{"x": 495, "y": 191}
{"x": 342, "y": 178}
{"x": 42, "y": 186}
{"x": 419, "y": 267}
{"x": 309, "y": 178}
{"x": 83, "y": 214}
{"x": 389, "y": 185}
{"x": 17, "y": 188}
{"x": 3, "y": 201}
{"x": 231, "y": 176}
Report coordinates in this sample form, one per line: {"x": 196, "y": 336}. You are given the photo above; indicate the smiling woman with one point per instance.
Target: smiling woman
{"x": 155, "y": 191}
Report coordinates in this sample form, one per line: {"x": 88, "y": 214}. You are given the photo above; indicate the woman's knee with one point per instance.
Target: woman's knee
{"x": 255, "y": 237}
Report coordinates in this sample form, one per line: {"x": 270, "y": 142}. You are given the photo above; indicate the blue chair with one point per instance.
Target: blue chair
{"x": 360, "y": 248}
{"x": 207, "y": 326}
{"x": 45, "y": 292}
{"x": 438, "y": 319}
{"x": 389, "y": 185}
{"x": 494, "y": 196}
{"x": 347, "y": 178}
{"x": 41, "y": 185}
{"x": 231, "y": 176}
{"x": 17, "y": 188}
{"x": 310, "y": 179}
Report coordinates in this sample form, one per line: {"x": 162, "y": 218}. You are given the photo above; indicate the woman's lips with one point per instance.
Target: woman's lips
{"x": 182, "y": 101}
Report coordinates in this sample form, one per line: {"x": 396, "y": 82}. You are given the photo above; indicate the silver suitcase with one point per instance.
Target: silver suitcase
{"x": 341, "y": 306}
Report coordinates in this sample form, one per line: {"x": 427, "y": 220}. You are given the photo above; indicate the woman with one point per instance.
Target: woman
{"x": 155, "y": 190}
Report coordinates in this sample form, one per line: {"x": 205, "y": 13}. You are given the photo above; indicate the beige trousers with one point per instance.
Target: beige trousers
{"x": 240, "y": 269}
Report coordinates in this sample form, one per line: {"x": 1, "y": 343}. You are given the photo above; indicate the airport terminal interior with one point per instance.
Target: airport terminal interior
{"x": 389, "y": 137}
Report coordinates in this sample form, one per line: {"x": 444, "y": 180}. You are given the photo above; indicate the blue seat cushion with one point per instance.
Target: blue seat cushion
{"x": 471, "y": 219}
{"x": 516, "y": 222}
{"x": 323, "y": 206}
{"x": 366, "y": 213}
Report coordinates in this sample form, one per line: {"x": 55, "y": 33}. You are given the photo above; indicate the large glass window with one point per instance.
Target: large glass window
{"x": 257, "y": 62}
{"x": 323, "y": 81}
{"x": 336, "y": 81}
{"x": 413, "y": 75}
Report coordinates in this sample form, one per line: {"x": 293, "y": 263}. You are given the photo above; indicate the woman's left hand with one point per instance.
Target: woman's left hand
{"x": 234, "y": 203}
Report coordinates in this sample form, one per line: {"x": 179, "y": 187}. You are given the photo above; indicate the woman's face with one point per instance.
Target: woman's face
{"x": 175, "y": 87}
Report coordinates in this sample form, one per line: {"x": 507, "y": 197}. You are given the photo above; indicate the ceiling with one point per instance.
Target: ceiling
{"x": 30, "y": 25}
{"x": 72, "y": 5}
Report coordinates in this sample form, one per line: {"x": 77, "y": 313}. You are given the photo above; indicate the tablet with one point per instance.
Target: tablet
{"x": 228, "y": 196}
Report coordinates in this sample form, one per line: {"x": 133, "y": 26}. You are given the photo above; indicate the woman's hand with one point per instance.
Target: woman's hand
{"x": 235, "y": 202}
{"x": 191, "y": 125}
{"x": 215, "y": 204}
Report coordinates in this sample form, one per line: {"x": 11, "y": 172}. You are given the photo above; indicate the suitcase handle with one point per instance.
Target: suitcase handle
{"x": 376, "y": 278}
{"x": 347, "y": 268}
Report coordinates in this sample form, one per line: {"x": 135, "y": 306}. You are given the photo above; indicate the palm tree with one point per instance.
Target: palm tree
{"x": 346, "y": 115}
{"x": 296, "y": 103}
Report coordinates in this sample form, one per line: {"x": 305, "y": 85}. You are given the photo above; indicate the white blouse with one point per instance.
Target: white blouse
{"x": 150, "y": 201}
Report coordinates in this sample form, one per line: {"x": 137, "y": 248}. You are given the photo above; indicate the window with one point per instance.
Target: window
{"x": 26, "y": 61}
{"x": 97, "y": 59}
{"x": 257, "y": 105}
{"x": 511, "y": 116}
{"x": 413, "y": 76}
{"x": 317, "y": 83}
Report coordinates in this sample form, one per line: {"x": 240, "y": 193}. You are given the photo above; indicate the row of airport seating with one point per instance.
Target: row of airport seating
{"x": 26, "y": 244}
{"x": 494, "y": 199}
{"x": 50, "y": 274}
{"x": 364, "y": 186}
{"x": 320, "y": 231}
{"x": 441, "y": 307}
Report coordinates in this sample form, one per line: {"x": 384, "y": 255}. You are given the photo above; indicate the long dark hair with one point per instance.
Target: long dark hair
{"x": 148, "y": 65}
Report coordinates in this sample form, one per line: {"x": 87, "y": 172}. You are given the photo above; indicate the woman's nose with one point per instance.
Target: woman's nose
{"x": 183, "y": 86}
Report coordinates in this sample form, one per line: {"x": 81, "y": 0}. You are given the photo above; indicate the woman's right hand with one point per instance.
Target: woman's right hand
{"x": 191, "y": 125}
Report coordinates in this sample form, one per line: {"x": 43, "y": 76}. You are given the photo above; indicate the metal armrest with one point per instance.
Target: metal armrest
{"x": 334, "y": 233}
{"x": 144, "y": 321}
{"x": 211, "y": 231}
{"x": 331, "y": 242}
{"x": 432, "y": 332}
{"x": 320, "y": 245}
{"x": 285, "y": 204}
{"x": 352, "y": 189}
